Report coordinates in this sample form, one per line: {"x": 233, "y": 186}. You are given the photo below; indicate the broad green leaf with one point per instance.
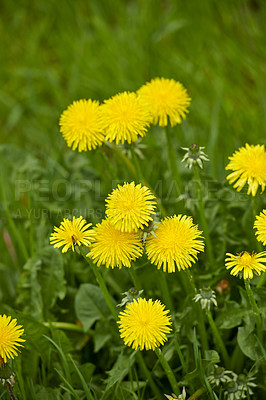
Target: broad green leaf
{"x": 90, "y": 305}
{"x": 248, "y": 343}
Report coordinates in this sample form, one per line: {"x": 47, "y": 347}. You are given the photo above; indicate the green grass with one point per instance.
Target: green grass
{"x": 55, "y": 52}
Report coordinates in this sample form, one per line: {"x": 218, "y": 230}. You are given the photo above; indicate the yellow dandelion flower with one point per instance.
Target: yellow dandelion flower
{"x": 248, "y": 165}
{"x": 130, "y": 207}
{"x": 114, "y": 248}
{"x": 10, "y": 338}
{"x": 144, "y": 324}
{"x": 166, "y": 99}
{"x": 81, "y": 125}
{"x": 70, "y": 233}
{"x": 246, "y": 263}
{"x": 125, "y": 118}
{"x": 260, "y": 225}
{"x": 177, "y": 243}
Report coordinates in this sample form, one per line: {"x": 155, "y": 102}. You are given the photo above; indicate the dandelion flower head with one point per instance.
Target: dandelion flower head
{"x": 144, "y": 324}
{"x": 249, "y": 166}
{"x": 166, "y": 99}
{"x": 130, "y": 207}
{"x": 125, "y": 118}
{"x": 81, "y": 125}
{"x": 72, "y": 232}
{"x": 246, "y": 263}
{"x": 113, "y": 248}
{"x": 10, "y": 337}
{"x": 177, "y": 243}
{"x": 260, "y": 225}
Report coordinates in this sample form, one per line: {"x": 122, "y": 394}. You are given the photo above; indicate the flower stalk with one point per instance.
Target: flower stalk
{"x": 255, "y": 309}
{"x": 168, "y": 370}
{"x": 178, "y": 184}
{"x": 217, "y": 338}
{"x": 203, "y": 216}
{"x": 102, "y": 285}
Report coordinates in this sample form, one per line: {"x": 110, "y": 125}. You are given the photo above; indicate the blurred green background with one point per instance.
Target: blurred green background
{"x": 54, "y": 52}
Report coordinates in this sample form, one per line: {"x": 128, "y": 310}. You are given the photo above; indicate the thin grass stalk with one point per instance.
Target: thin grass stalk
{"x": 68, "y": 327}
{"x": 255, "y": 309}
{"x": 136, "y": 163}
{"x": 218, "y": 339}
{"x": 146, "y": 372}
{"x": 173, "y": 163}
{"x": 102, "y": 285}
{"x": 197, "y": 394}
{"x": 163, "y": 286}
{"x": 180, "y": 355}
{"x": 134, "y": 277}
{"x": 168, "y": 370}
{"x": 108, "y": 164}
{"x": 198, "y": 311}
{"x": 203, "y": 219}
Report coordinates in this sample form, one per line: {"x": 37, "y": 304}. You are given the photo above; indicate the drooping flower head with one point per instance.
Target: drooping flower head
{"x": 177, "y": 243}
{"x": 260, "y": 225}
{"x": 249, "y": 166}
{"x": 246, "y": 263}
{"x": 113, "y": 248}
{"x": 166, "y": 99}
{"x": 70, "y": 233}
{"x": 125, "y": 118}
{"x": 81, "y": 125}
{"x": 10, "y": 338}
{"x": 130, "y": 207}
{"x": 144, "y": 324}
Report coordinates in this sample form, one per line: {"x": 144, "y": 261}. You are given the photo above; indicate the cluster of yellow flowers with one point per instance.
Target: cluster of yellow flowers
{"x": 115, "y": 242}
{"x": 249, "y": 166}
{"x": 85, "y": 124}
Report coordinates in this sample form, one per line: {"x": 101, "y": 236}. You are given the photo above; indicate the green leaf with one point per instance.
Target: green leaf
{"x": 119, "y": 370}
{"x": 90, "y": 305}
{"x": 248, "y": 343}
{"x": 102, "y": 335}
{"x": 232, "y": 315}
{"x": 42, "y": 282}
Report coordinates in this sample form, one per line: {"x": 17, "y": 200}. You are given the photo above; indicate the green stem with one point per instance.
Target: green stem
{"x": 68, "y": 327}
{"x": 102, "y": 285}
{"x": 11, "y": 222}
{"x": 168, "y": 371}
{"x": 173, "y": 163}
{"x": 254, "y": 206}
{"x": 125, "y": 159}
{"x": 217, "y": 338}
{"x": 134, "y": 278}
{"x": 180, "y": 355}
{"x": 136, "y": 163}
{"x": 163, "y": 285}
{"x": 255, "y": 309}
{"x": 109, "y": 166}
{"x": 203, "y": 216}
{"x": 237, "y": 360}
{"x": 148, "y": 375}
{"x": 198, "y": 312}
{"x": 197, "y": 394}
